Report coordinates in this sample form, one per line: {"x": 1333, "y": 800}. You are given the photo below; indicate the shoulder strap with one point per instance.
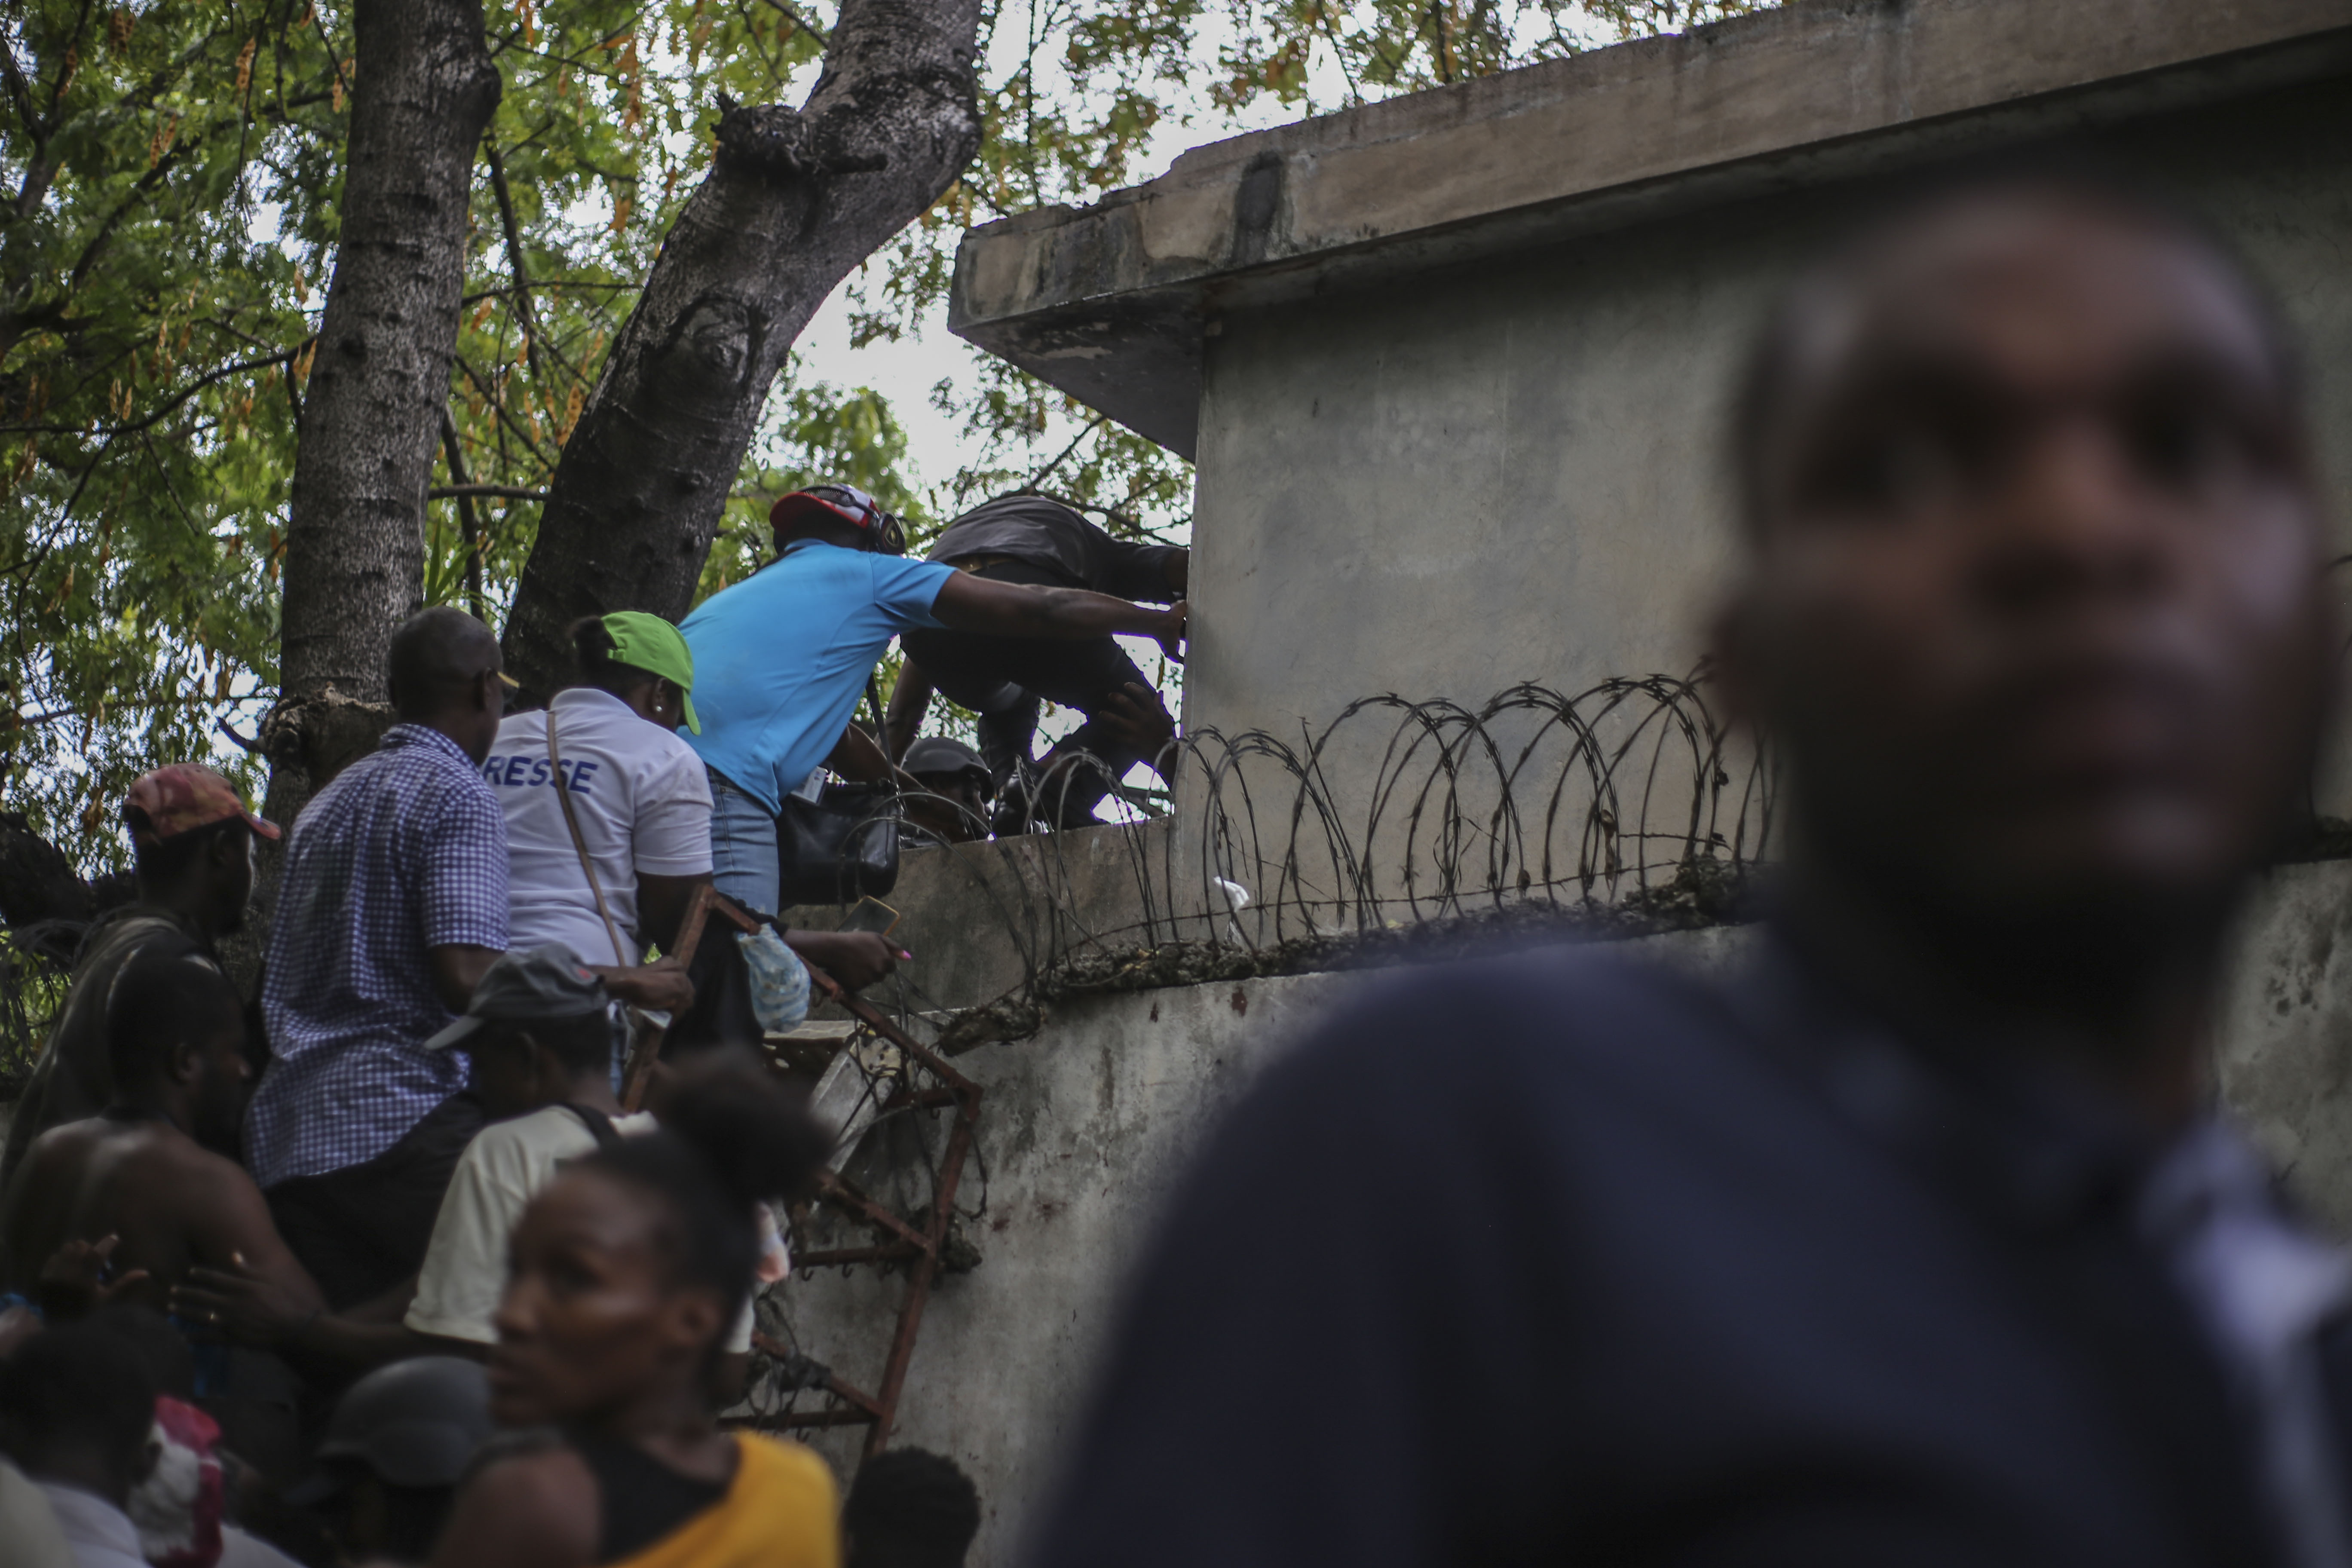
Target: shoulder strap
{"x": 600, "y": 1126}
{"x": 580, "y": 843}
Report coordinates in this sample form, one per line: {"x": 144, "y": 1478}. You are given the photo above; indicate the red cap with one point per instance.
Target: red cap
{"x": 187, "y": 795}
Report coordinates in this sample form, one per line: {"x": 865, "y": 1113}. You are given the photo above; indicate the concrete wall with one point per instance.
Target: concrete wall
{"x": 1085, "y": 1127}
{"x": 1081, "y": 1132}
{"x": 1510, "y": 470}
{"x": 2284, "y": 1035}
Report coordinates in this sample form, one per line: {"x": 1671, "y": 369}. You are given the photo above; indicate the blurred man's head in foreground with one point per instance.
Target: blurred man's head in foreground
{"x": 2033, "y": 607}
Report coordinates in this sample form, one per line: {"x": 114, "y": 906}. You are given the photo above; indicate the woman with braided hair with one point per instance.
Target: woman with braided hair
{"x": 626, "y": 1271}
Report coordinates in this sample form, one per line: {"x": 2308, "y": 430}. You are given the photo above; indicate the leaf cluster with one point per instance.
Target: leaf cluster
{"x": 168, "y": 175}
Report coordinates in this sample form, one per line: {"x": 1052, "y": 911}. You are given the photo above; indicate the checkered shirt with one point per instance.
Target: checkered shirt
{"x": 405, "y": 851}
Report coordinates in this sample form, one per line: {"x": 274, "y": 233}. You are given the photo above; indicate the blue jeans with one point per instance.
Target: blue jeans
{"x": 743, "y": 847}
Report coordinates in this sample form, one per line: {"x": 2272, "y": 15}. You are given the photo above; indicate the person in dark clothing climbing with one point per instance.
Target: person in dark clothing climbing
{"x": 956, "y": 784}
{"x": 192, "y": 837}
{"x": 1004, "y": 680}
{"x": 1914, "y": 1234}
{"x": 627, "y": 1272}
{"x": 909, "y": 1508}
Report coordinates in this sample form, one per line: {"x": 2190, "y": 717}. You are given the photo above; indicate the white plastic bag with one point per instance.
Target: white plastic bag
{"x": 779, "y": 981}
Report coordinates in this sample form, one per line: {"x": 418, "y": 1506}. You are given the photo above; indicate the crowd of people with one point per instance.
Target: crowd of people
{"x": 1915, "y": 1237}
{"x": 407, "y": 1159}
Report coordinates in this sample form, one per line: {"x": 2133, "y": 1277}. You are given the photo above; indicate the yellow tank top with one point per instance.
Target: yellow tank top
{"x": 779, "y": 1512}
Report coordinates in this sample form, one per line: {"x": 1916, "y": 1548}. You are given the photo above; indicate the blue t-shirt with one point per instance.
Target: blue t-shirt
{"x": 780, "y": 658}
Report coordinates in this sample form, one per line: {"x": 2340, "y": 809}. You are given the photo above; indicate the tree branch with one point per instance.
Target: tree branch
{"x": 795, "y": 199}
{"x": 498, "y": 406}
{"x": 1042, "y": 474}
{"x": 793, "y": 14}
{"x": 139, "y": 190}
{"x": 523, "y": 308}
{"x": 463, "y": 491}
{"x": 37, "y": 882}
{"x": 166, "y": 408}
{"x": 73, "y": 52}
{"x": 38, "y": 170}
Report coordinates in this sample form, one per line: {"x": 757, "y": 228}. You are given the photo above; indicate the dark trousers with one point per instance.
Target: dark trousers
{"x": 363, "y": 1230}
{"x": 1004, "y": 678}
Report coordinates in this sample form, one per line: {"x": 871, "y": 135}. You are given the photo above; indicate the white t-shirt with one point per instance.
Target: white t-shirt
{"x": 500, "y": 1172}
{"x": 644, "y": 800}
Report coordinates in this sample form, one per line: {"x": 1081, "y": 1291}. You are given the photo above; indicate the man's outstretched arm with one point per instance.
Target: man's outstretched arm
{"x": 971, "y": 604}
{"x": 244, "y": 1306}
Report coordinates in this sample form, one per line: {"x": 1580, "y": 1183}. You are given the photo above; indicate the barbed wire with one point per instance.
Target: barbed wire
{"x": 1629, "y": 800}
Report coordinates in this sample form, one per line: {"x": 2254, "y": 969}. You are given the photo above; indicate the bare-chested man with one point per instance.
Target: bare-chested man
{"x": 150, "y": 1168}
{"x": 149, "y": 1172}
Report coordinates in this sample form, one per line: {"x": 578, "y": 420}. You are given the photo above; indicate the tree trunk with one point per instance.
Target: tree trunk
{"x": 795, "y": 200}
{"x": 424, "y": 91}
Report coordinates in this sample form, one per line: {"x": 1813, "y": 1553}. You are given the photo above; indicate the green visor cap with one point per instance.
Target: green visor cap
{"x": 644, "y": 641}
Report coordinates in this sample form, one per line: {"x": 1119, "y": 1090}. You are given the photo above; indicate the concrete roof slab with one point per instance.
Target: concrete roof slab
{"x": 1109, "y": 302}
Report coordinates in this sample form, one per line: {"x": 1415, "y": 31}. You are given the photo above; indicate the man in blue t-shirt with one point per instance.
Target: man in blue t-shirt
{"x": 780, "y": 658}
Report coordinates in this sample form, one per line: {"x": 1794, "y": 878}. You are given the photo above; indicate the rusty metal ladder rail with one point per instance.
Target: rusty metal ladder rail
{"x": 918, "y": 1248}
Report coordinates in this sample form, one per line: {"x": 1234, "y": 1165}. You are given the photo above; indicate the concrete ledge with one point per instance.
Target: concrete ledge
{"x": 1110, "y": 302}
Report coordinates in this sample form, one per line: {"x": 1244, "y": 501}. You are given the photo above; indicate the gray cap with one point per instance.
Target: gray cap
{"x": 416, "y": 1423}
{"x": 939, "y": 754}
{"x": 527, "y": 985}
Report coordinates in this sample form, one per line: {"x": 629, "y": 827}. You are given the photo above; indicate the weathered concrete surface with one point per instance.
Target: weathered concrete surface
{"x": 1082, "y": 1131}
{"x": 1512, "y": 470}
{"x": 2286, "y": 1032}
{"x": 1109, "y": 302}
{"x": 981, "y": 917}
{"x": 1524, "y": 454}
{"x": 1453, "y": 369}
{"x": 1084, "y": 1128}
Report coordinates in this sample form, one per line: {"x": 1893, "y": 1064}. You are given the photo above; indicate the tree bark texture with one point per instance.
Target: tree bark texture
{"x": 372, "y": 414}
{"x": 424, "y": 90}
{"x": 795, "y": 199}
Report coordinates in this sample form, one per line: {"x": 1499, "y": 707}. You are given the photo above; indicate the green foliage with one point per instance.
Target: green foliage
{"x": 152, "y": 345}
{"x": 169, "y": 172}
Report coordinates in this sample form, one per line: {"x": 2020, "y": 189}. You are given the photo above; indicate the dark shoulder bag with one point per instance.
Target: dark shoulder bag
{"x": 842, "y": 847}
